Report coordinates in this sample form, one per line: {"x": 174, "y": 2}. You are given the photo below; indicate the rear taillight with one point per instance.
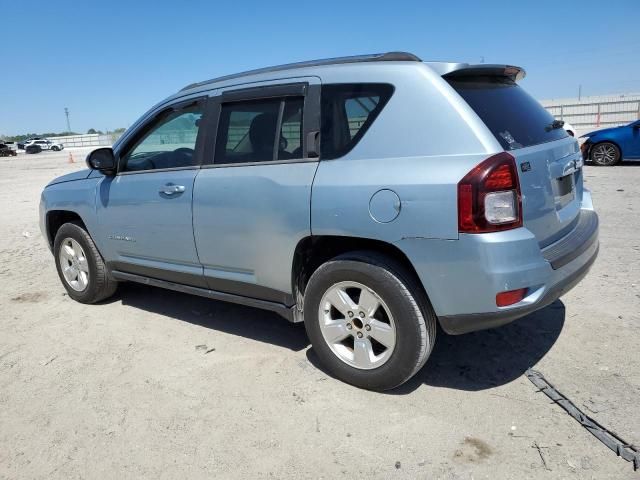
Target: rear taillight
{"x": 489, "y": 197}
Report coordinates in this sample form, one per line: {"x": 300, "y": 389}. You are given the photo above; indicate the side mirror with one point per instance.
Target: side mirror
{"x": 103, "y": 160}
{"x": 636, "y": 126}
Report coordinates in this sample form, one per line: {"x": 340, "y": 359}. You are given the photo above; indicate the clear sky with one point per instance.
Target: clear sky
{"x": 108, "y": 61}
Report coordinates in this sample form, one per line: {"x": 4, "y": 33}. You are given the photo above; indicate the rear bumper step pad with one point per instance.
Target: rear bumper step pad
{"x": 575, "y": 243}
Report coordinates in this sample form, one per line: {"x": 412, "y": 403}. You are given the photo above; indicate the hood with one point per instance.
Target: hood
{"x": 598, "y": 132}
{"x": 70, "y": 177}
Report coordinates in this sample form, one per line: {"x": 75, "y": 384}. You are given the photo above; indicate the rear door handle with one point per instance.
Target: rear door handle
{"x": 171, "y": 189}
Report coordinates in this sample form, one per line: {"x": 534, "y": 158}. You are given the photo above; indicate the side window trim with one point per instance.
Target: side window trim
{"x": 265, "y": 92}
{"x": 274, "y": 155}
{"x": 311, "y": 122}
{"x": 152, "y": 120}
{"x": 310, "y": 118}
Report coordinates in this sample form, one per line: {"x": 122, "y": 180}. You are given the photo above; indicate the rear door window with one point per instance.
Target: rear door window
{"x": 260, "y": 130}
{"x": 348, "y": 110}
{"x": 515, "y": 118}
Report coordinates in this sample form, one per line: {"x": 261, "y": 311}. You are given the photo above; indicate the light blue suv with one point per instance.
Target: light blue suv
{"x": 371, "y": 197}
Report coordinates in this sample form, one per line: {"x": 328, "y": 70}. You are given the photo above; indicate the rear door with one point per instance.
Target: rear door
{"x": 252, "y": 196}
{"x": 548, "y": 159}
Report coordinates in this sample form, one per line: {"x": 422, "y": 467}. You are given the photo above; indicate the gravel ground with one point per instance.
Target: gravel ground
{"x": 157, "y": 384}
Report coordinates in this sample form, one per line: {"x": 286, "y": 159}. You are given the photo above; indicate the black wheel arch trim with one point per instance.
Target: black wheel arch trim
{"x": 67, "y": 216}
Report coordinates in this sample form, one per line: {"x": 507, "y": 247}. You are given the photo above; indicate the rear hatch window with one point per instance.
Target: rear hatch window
{"x": 550, "y": 171}
{"x": 515, "y": 118}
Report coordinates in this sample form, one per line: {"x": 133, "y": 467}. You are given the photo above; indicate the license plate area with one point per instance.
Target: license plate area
{"x": 565, "y": 188}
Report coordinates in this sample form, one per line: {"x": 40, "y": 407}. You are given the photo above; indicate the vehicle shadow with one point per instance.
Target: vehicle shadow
{"x": 489, "y": 358}
{"x": 474, "y": 361}
{"x": 486, "y": 359}
{"x": 239, "y": 320}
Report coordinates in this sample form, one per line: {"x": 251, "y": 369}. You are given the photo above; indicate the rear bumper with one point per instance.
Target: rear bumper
{"x": 578, "y": 241}
{"x": 462, "y": 277}
{"x": 459, "y": 324}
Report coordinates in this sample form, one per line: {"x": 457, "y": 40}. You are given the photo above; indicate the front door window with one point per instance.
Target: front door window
{"x": 169, "y": 143}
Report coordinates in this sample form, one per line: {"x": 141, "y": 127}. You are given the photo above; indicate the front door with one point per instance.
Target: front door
{"x": 253, "y": 200}
{"x": 144, "y": 212}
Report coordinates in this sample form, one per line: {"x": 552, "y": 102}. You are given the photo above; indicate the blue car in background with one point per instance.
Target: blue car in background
{"x": 611, "y": 145}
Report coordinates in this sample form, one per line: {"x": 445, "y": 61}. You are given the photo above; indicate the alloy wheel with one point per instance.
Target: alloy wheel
{"x": 357, "y": 325}
{"x": 605, "y": 154}
{"x": 74, "y": 265}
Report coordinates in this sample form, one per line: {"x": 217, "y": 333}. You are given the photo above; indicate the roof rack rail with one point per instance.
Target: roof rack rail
{"x": 376, "y": 57}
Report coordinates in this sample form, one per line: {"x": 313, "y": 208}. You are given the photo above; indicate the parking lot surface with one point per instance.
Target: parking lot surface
{"x": 158, "y": 384}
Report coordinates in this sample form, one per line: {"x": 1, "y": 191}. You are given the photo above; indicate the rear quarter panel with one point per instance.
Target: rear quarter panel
{"x": 422, "y": 143}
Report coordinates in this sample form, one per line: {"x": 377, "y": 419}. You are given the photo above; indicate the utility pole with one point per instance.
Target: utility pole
{"x": 66, "y": 112}
{"x": 579, "y": 92}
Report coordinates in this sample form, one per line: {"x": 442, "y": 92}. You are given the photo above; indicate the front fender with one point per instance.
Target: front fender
{"x": 78, "y": 197}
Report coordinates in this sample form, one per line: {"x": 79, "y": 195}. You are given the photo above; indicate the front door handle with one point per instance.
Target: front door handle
{"x": 171, "y": 189}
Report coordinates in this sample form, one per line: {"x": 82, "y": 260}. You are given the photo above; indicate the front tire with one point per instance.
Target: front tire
{"x": 368, "y": 320}
{"x": 605, "y": 154}
{"x": 80, "y": 266}
{"x": 54, "y": 149}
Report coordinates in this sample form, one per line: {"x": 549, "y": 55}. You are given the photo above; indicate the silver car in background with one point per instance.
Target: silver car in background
{"x": 372, "y": 197}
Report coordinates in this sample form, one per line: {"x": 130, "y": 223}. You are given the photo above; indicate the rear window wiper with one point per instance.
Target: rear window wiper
{"x": 554, "y": 125}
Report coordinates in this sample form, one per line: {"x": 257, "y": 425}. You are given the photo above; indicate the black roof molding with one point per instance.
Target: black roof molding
{"x": 376, "y": 57}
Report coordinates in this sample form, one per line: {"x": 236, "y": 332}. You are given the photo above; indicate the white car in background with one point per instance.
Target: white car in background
{"x": 46, "y": 144}
{"x": 570, "y": 130}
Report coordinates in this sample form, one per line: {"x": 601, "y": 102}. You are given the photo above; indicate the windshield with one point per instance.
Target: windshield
{"x": 515, "y": 118}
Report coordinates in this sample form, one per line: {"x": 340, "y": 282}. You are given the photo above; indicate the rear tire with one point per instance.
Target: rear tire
{"x": 605, "y": 154}
{"x": 54, "y": 149}
{"x": 80, "y": 266}
{"x": 397, "y": 336}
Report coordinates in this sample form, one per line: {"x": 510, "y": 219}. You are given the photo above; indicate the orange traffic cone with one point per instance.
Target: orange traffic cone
{"x": 70, "y": 158}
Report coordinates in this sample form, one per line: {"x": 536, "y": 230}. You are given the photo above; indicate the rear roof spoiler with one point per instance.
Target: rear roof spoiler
{"x": 465, "y": 70}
